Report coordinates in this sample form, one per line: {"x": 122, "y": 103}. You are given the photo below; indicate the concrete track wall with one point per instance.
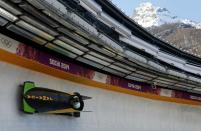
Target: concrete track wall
{"x": 111, "y": 111}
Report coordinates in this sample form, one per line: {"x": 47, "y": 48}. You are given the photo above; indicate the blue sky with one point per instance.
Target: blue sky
{"x": 189, "y": 9}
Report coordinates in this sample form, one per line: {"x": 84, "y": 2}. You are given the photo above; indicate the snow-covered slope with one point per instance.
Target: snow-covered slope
{"x": 192, "y": 23}
{"x": 148, "y": 15}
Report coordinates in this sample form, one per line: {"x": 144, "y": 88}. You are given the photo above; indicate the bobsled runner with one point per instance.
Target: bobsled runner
{"x": 42, "y": 100}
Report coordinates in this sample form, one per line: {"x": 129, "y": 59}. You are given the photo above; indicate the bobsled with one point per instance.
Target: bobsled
{"x": 43, "y": 100}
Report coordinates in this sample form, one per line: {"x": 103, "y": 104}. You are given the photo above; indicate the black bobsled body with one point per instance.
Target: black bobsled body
{"x": 42, "y": 100}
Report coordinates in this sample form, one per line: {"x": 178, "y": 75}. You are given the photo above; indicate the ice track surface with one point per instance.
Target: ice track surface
{"x": 111, "y": 111}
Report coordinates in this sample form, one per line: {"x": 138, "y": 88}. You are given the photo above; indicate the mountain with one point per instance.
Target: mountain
{"x": 184, "y": 37}
{"x": 181, "y": 33}
{"x": 148, "y": 15}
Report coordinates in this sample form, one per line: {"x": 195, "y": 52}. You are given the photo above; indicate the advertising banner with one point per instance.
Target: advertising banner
{"x": 44, "y": 58}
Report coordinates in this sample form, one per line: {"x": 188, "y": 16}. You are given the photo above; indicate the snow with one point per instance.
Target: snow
{"x": 192, "y": 23}
{"x": 148, "y": 15}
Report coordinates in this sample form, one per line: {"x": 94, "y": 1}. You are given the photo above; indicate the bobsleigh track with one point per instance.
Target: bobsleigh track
{"x": 137, "y": 81}
{"x": 110, "y": 110}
